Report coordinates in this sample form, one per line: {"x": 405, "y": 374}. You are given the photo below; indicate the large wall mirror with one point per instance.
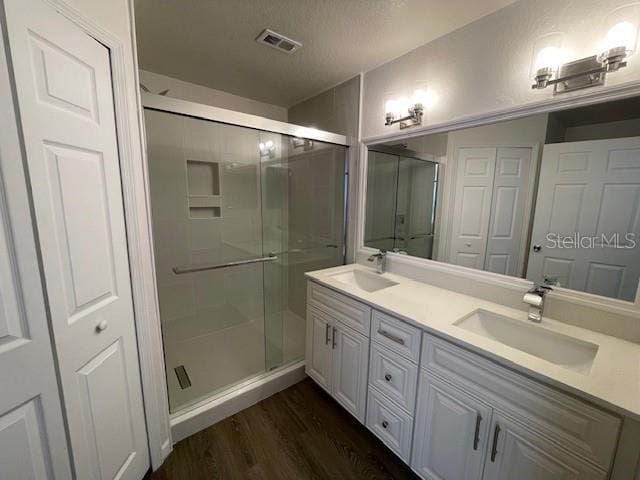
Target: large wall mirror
{"x": 552, "y": 198}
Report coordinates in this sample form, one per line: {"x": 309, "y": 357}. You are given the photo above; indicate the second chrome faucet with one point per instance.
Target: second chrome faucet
{"x": 381, "y": 259}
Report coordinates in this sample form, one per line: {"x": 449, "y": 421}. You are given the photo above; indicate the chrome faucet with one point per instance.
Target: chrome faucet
{"x": 380, "y": 258}
{"x": 535, "y": 299}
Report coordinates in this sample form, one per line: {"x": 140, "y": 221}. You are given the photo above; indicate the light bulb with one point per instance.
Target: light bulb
{"x": 549, "y": 57}
{"x": 391, "y": 107}
{"x": 623, "y": 34}
{"x": 261, "y": 146}
{"x": 269, "y": 144}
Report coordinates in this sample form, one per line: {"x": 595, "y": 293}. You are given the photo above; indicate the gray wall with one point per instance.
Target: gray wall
{"x": 334, "y": 110}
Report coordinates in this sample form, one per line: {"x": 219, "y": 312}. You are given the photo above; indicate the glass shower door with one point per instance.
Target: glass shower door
{"x": 238, "y": 216}
{"x": 206, "y": 209}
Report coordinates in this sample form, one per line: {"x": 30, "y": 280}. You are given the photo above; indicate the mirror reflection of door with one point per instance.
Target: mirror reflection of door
{"x": 589, "y": 193}
{"x": 489, "y": 219}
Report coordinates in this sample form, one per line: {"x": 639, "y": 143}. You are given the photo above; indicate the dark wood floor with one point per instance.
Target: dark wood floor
{"x": 299, "y": 433}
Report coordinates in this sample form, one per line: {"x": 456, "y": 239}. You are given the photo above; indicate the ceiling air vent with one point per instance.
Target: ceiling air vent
{"x": 277, "y": 41}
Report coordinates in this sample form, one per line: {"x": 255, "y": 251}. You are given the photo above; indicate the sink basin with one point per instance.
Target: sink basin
{"x": 559, "y": 349}
{"x": 369, "y": 282}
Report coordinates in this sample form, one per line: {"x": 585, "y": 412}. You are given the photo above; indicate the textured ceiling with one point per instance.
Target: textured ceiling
{"x": 211, "y": 42}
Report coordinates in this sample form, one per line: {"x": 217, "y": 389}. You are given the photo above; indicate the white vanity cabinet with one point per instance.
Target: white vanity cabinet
{"x": 337, "y": 350}
{"x": 393, "y": 379}
{"x": 472, "y": 412}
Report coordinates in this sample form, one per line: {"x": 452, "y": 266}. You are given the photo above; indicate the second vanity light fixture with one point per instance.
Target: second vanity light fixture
{"x": 408, "y": 113}
{"x": 619, "y": 42}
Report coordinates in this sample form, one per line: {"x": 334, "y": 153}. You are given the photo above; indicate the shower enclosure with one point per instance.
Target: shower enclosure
{"x": 239, "y": 214}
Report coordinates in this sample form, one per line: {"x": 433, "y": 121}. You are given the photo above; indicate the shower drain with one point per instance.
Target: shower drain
{"x": 183, "y": 377}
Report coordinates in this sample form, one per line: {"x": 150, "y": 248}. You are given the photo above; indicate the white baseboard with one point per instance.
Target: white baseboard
{"x": 243, "y": 396}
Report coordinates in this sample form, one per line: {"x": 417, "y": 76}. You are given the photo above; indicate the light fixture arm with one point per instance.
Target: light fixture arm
{"x": 412, "y": 119}
{"x": 582, "y": 73}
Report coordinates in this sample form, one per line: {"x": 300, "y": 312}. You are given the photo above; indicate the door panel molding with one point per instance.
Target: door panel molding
{"x": 133, "y": 169}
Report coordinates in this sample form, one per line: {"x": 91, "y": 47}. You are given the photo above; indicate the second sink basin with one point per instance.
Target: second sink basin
{"x": 369, "y": 282}
{"x": 559, "y": 349}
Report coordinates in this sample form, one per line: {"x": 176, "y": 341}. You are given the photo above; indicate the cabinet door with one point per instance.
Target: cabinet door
{"x": 451, "y": 431}
{"x": 319, "y": 349}
{"x": 350, "y": 363}
{"x": 517, "y": 452}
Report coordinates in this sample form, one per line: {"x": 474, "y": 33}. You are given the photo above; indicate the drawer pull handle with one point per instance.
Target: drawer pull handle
{"x": 476, "y": 438}
{"x": 391, "y": 337}
{"x": 333, "y": 338}
{"x": 385, "y": 424}
{"x": 388, "y": 377}
{"x": 494, "y": 447}
{"x": 326, "y": 334}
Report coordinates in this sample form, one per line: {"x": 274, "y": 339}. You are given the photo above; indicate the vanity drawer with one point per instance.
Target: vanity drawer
{"x": 578, "y": 426}
{"x": 393, "y": 375}
{"x": 390, "y": 424}
{"x": 396, "y": 335}
{"x": 348, "y": 311}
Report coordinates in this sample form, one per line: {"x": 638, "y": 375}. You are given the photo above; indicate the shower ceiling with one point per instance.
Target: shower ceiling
{"x": 211, "y": 42}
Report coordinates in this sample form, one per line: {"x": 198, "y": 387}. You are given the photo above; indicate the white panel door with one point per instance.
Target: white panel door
{"x": 505, "y": 237}
{"x": 319, "y": 350}
{"x": 451, "y": 431}
{"x": 472, "y": 206}
{"x": 592, "y": 189}
{"x": 63, "y": 81}
{"x": 350, "y": 361}
{"x": 518, "y": 453}
{"x": 33, "y": 443}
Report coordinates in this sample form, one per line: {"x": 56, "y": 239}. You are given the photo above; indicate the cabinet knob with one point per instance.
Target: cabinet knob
{"x": 385, "y": 424}
{"x": 388, "y": 377}
{"x": 102, "y": 325}
{"x": 537, "y": 248}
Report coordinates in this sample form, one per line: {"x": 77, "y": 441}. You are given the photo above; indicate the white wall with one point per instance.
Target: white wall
{"x": 209, "y": 96}
{"x": 485, "y": 66}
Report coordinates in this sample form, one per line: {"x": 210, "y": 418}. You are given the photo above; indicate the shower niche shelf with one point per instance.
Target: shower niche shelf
{"x": 203, "y": 187}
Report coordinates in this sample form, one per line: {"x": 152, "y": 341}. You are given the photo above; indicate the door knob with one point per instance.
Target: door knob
{"x": 102, "y": 325}
{"x": 537, "y": 248}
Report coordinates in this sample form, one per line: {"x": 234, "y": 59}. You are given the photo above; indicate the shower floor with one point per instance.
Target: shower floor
{"x": 215, "y": 361}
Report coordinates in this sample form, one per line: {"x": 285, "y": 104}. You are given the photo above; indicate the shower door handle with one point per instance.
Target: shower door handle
{"x": 215, "y": 266}
{"x": 333, "y": 338}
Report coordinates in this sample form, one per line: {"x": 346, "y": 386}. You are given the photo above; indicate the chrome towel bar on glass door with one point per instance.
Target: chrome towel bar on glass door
{"x": 214, "y": 266}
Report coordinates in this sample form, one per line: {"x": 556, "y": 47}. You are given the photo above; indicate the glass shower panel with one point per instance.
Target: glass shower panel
{"x": 415, "y": 206}
{"x": 303, "y": 224}
{"x": 206, "y": 210}
{"x": 382, "y": 189}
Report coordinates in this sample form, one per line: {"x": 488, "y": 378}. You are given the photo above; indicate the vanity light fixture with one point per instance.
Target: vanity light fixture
{"x": 304, "y": 143}
{"x": 619, "y": 43}
{"x": 267, "y": 148}
{"x": 408, "y": 113}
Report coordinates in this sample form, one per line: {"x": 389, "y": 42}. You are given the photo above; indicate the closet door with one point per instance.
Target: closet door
{"x": 472, "y": 207}
{"x": 33, "y": 443}
{"x": 63, "y": 82}
{"x": 506, "y": 235}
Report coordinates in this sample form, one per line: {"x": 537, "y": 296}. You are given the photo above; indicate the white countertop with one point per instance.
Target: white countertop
{"x": 613, "y": 381}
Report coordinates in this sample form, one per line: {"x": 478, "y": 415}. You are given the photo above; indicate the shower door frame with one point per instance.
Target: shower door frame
{"x": 208, "y": 411}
